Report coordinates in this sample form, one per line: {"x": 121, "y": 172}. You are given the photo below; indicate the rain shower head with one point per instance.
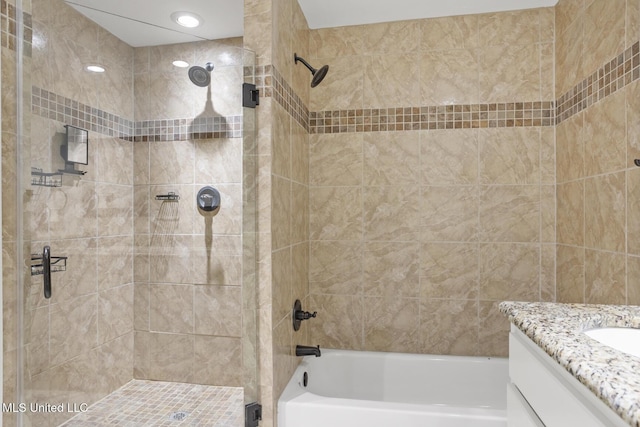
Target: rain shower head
{"x": 201, "y": 76}
{"x": 318, "y": 74}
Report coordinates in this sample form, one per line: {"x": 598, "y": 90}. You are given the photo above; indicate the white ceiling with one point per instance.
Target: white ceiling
{"x": 148, "y": 22}
{"x": 338, "y": 13}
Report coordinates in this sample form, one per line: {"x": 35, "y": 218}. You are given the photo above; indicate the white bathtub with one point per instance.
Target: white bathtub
{"x": 359, "y": 388}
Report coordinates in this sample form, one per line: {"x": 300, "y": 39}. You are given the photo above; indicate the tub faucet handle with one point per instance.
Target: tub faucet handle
{"x": 299, "y": 315}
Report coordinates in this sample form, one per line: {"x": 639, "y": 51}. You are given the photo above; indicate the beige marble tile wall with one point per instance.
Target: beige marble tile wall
{"x": 79, "y": 343}
{"x": 290, "y": 195}
{"x": 416, "y": 235}
{"x": 188, "y": 266}
{"x": 598, "y": 198}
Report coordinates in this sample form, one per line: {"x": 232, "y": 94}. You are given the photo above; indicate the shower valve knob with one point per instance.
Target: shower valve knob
{"x": 305, "y": 315}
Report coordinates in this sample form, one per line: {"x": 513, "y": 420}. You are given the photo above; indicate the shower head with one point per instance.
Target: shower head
{"x": 318, "y": 74}
{"x": 201, "y": 76}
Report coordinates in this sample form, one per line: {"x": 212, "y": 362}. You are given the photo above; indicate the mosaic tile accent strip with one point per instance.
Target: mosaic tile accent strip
{"x": 263, "y": 75}
{"x": 66, "y": 110}
{"x": 513, "y": 114}
{"x": 271, "y": 84}
{"x": 611, "y": 77}
{"x": 184, "y": 129}
{"x": 165, "y": 404}
{"x": 614, "y": 75}
{"x": 8, "y": 28}
{"x": 284, "y": 95}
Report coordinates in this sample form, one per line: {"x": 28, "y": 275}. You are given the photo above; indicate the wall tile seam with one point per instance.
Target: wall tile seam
{"x": 420, "y": 241}
{"x": 48, "y": 104}
{"x": 594, "y": 249}
{"x": 395, "y": 297}
{"x": 483, "y": 185}
{"x": 584, "y": 178}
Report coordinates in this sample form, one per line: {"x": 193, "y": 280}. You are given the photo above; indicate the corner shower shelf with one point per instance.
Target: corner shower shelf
{"x": 171, "y": 196}
{"x": 58, "y": 263}
{"x": 45, "y": 179}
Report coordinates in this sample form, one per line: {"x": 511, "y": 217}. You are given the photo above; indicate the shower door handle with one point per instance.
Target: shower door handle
{"x": 46, "y": 270}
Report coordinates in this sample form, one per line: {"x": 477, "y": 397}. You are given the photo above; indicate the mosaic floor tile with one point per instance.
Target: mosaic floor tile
{"x": 141, "y": 403}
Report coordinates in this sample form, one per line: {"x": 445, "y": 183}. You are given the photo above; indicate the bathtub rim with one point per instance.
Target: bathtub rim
{"x": 294, "y": 389}
{"x": 295, "y": 395}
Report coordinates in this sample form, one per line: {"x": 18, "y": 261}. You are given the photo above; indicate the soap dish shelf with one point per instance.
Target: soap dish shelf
{"x": 170, "y": 196}
{"x": 58, "y": 263}
{"x": 45, "y": 179}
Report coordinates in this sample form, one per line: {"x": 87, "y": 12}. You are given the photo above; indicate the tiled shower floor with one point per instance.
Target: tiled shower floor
{"x": 158, "y": 404}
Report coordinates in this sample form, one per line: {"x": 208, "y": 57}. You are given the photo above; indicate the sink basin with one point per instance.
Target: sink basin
{"x": 626, "y": 340}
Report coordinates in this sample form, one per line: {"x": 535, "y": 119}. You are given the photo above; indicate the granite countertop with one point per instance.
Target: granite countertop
{"x": 610, "y": 374}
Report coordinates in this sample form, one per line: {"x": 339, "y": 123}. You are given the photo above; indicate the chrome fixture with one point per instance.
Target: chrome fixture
{"x": 201, "y": 76}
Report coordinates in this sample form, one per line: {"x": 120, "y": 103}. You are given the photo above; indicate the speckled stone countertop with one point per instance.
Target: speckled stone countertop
{"x": 557, "y": 328}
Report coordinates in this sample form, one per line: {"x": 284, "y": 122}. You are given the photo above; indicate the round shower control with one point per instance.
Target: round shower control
{"x": 208, "y": 199}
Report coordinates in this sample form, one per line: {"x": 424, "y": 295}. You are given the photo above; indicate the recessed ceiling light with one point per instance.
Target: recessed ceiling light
{"x": 186, "y": 19}
{"x": 181, "y": 64}
{"x": 95, "y": 68}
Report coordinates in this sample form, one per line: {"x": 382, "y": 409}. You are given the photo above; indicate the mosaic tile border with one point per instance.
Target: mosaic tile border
{"x": 186, "y": 129}
{"x": 512, "y": 114}
{"x": 611, "y": 77}
{"x": 271, "y": 84}
{"x": 262, "y": 78}
{"x": 284, "y": 94}
{"x": 459, "y": 116}
{"x": 8, "y": 28}
{"x": 56, "y": 107}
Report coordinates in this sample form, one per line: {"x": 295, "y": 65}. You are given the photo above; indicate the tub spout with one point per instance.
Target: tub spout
{"x": 304, "y": 350}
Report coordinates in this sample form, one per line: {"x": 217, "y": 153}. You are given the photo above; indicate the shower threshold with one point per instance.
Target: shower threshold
{"x": 158, "y": 404}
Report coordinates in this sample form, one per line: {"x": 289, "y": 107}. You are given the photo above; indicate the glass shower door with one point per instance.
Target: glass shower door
{"x": 82, "y": 291}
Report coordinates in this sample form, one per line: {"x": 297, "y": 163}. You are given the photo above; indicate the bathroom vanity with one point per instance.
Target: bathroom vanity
{"x": 561, "y": 377}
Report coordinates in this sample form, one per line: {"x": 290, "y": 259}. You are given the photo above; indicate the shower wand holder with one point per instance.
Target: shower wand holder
{"x": 299, "y": 315}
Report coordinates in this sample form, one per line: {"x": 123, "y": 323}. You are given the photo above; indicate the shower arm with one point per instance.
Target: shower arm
{"x": 306, "y": 64}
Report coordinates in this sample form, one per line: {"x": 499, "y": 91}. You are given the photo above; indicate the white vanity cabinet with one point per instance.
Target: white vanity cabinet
{"x": 542, "y": 393}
